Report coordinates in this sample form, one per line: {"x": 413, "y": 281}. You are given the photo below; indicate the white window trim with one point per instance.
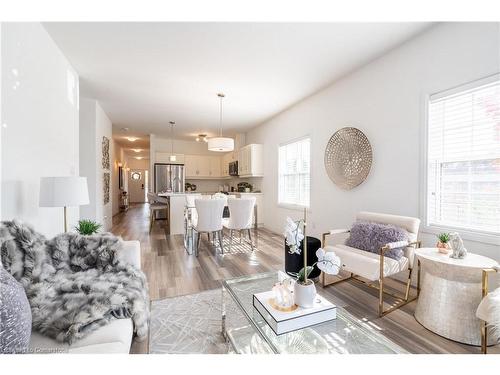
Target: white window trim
{"x": 467, "y": 234}
{"x": 289, "y": 206}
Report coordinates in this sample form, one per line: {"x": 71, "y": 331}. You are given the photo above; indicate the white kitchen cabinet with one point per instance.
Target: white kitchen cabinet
{"x": 226, "y": 159}
{"x": 251, "y": 161}
{"x": 164, "y": 157}
{"x": 202, "y": 166}
{"x": 190, "y": 166}
{"x": 225, "y": 166}
{"x": 214, "y": 166}
{"x": 196, "y": 166}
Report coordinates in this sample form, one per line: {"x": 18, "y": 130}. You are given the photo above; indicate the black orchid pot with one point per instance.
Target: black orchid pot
{"x": 295, "y": 262}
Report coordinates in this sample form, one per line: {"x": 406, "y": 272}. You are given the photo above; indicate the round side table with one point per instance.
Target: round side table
{"x": 450, "y": 292}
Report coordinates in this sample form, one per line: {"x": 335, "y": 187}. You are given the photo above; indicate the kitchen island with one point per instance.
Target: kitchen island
{"x": 176, "y": 203}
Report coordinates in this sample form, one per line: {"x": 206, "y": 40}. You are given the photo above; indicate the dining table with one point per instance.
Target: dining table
{"x": 190, "y": 234}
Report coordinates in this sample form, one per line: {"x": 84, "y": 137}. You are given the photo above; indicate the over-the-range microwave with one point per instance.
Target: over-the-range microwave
{"x": 233, "y": 168}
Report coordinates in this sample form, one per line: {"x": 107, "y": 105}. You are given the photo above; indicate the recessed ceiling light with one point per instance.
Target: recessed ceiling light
{"x": 201, "y": 137}
{"x": 138, "y": 157}
{"x": 136, "y": 149}
{"x": 132, "y": 139}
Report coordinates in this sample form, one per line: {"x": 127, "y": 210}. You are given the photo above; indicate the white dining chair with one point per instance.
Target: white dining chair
{"x": 209, "y": 220}
{"x": 189, "y": 208}
{"x": 240, "y": 217}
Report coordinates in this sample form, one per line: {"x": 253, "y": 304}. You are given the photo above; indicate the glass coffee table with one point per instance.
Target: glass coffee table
{"x": 247, "y": 331}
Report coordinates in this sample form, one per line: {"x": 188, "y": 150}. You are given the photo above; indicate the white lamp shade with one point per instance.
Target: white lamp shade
{"x": 220, "y": 144}
{"x": 63, "y": 191}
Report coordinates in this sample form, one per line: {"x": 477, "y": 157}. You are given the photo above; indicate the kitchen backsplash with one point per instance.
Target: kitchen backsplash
{"x": 211, "y": 186}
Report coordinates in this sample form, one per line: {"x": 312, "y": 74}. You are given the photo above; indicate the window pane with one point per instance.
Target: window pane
{"x": 294, "y": 173}
{"x": 463, "y": 173}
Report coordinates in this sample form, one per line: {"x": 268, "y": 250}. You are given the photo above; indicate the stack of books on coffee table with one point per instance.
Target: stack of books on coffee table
{"x": 284, "y": 320}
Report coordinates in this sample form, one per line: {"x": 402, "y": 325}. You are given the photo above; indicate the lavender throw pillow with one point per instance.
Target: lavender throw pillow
{"x": 371, "y": 237}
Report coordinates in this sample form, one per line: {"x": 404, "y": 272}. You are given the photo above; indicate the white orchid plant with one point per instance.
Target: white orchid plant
{"x": 293, "y": 235}
{"x": 328, "y": 262}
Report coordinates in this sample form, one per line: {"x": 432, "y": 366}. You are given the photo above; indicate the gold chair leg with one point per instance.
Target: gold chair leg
{"x": 323, "y": 280}
{"x": 381, "y": 296}
{"x": 381, "y": 286}
{"x": 484, "y": 338}
{"x": 408, "y": 284}
{"x": 418, "y": 277}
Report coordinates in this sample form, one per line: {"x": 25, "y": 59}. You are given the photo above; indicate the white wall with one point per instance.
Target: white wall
{"x": 134, "y": 163}
{"x": 385, "y": 99}
{"x": 94, "y": 125}
{"x": 40, "y": 110}
{"x": 118, "y": 158}
{"x": 160, "y": 144}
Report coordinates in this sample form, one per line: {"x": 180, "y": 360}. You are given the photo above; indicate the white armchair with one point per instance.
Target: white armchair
{"x": 489, "y": 310}
{"x": 376, "y": 267}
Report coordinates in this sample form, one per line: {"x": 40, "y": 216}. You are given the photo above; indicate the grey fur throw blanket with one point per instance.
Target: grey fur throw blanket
{"x": 75, "y": 284}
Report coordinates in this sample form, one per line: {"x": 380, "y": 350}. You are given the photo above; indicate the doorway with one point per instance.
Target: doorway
{"x": 137, "y": 185}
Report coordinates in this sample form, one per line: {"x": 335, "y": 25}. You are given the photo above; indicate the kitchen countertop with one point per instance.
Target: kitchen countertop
{"x": 171, "y": 194}
{"x": 203, "y": 192}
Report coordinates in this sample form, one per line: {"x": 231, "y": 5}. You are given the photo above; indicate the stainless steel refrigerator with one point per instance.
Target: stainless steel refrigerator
{"x": 168, "y": 178}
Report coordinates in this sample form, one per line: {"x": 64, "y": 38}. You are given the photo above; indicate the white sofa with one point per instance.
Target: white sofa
{"x": 115, "y": 337}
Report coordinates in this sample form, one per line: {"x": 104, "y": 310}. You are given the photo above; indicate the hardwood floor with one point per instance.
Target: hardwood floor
{"x": 172, "y": 272}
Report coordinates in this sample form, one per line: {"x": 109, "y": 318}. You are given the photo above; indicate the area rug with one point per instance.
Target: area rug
{"x": 190, "y": 324}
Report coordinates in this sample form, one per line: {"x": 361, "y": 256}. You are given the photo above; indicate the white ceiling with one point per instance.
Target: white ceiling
{"x": 145, "y": 74}
{"x": 133, "y": 143}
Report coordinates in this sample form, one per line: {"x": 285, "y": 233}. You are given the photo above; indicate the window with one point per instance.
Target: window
{"x": 463, "y": 158}
{"x": 295, "y": 173}
{"x": 136, "y": 176}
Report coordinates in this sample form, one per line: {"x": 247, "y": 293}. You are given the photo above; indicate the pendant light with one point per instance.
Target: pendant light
{"x": 172, "y": 156}
{"x": 220, "y": 143}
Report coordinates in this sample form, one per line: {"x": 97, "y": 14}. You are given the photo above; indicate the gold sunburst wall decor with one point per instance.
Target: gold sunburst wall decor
{"x": 348, "y": 158}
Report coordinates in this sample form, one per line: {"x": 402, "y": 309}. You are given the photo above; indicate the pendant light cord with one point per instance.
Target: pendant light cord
{"x": 172, "y": 123}
{"x": 220, "y": 117}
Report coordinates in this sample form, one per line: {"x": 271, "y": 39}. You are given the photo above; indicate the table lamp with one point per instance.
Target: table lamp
{"x": 63, "y": 192}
